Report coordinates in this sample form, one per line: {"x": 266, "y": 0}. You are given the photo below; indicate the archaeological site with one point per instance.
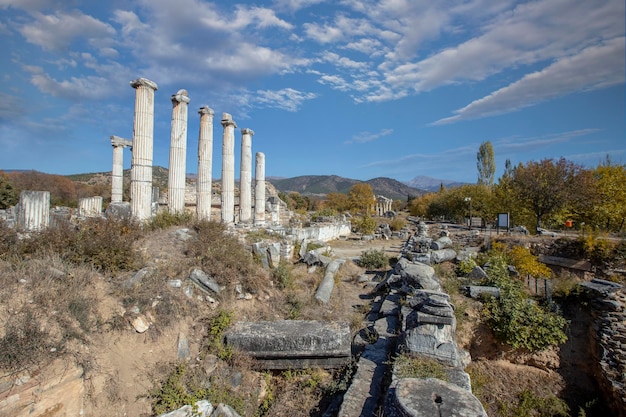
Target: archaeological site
{"x": 216, "y": 297}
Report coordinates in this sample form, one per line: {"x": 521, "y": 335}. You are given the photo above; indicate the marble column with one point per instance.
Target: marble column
{"x": 34, "y": 210}
{"x": 259, "y": 189}
{"x": 90, "y": 206}
{"x": 178, "y": 153}
{"x": 117, "y": 172}
{"x": 143, "y": 142}
{"x": 245, "y": 177}
{"x": 228, "y": 169}
{"x": 205, "y": 160}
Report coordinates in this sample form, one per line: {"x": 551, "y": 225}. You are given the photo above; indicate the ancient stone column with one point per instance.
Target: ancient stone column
{"x": 34, "y": 210}
{"x": 245, "y": 177}
{"x": 117, "y": 172}
{"x": 259, "y": 189}
{"x": 178, "y": 153}
{"x": 90, "y": 206}
{"x": 228, "y": 169}
{"x": 143, "y": 139}
{"x": 205, "y": 160}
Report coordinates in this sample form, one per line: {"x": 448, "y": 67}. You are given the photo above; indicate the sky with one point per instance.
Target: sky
{"x": 355, "y": 88}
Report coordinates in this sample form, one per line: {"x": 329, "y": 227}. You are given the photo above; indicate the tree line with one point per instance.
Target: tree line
{"x": 547, "y": 193}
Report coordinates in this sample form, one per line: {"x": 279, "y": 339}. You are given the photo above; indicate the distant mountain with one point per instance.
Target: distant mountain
{"x": 432, "y": 184}
{"x": 324, "y": 184}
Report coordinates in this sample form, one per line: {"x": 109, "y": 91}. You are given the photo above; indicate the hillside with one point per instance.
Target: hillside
{"x": 324, "y": 184}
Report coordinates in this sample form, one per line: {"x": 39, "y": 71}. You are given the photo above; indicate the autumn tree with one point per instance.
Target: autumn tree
{"x": 609, "y": 209}
{"x": 486, "y": 164}
{"x": 361, "y": 197}
{"x": 337, "y": 201}
{"x": 545, "y": 187}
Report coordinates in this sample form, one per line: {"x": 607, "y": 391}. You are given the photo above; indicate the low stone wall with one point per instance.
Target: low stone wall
{"x": 608, "y": 333}
{"x": 322, "y": 233}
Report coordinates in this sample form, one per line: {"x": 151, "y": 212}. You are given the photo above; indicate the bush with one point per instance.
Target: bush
{"x": 282, "y": 275}
{"x": 222, "y": 256}
{"x": 515, "y": 318}
{"x": 24, "y": 344}
{"x": 466, "y": 266}
{"x": 165, "y": 219}
{"x": 373, "y": 259}
{"x": 104, "y": 244}
{"x": 397, "y": 224}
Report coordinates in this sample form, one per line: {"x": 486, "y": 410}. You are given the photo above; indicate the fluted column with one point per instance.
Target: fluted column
{"x": 259, "y": 189}
{"x": 228, "y": 169}
{"x": 117, "y": 172}
{"x": 205, "y": 160}
{"x": 245, "y": 177}
{"x": 143, "y": 142}
{"x": 178, "y": 153}
{"x": 34, "y": 210}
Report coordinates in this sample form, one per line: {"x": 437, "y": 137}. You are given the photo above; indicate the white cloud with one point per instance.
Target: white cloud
{"x": 364, "y": 137}
{"x": 593, "y": 68}
{"x": 58, "y": 31}
{"x": 295, "y": 5}
{"x": 323, "y": 33}
{"x": 285, "y": 99}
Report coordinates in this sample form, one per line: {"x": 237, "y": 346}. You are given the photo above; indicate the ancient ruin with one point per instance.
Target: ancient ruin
{"x": 205, "y": 160}
{"x": 178, "y": 153}
{"x": 143, "y": 139}
{"x": 117, "y": 172}
{"x": 228, "y": 169}
{"x": 245, "y": 177}
{"x": 34, "y": 210}
{"x": 259, "y": 190}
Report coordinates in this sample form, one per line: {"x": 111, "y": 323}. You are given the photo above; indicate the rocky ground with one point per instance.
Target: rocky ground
{"x": 114, "y": 371}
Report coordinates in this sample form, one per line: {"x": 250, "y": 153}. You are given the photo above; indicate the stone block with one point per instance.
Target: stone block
{"x": 442, "y": 255}
{"x": 292, "y": 344}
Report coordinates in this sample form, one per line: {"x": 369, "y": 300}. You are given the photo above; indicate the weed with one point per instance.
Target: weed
{"x": 216, "y": 326}
{"x": 282, "y": 275}
{"x": 407, "y": 366}
{"x": 530, "y": 404}
{"x": 24, "y": 343}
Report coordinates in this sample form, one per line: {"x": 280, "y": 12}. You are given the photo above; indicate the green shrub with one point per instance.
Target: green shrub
{"x": 515, "y": 318}
{"x": 217, "y": 325}
{"x": 466, "y": 266}
{"x": 530, "y": 404}
{"x": 373, "y": 259}
{"x": 178, "y": 389}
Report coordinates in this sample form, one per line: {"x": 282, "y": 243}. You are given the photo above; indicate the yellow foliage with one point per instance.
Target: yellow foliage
{"x": 527, "y": 264}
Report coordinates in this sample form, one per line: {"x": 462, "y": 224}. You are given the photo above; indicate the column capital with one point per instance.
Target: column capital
{"x": 227, "y": 120}
{"x": 117, "y": 141}
{"x": 206, "y": 110}
{"x": 246, "y": 131}
{"x": 143, "y": 82}
{"x": 180, "y": 97}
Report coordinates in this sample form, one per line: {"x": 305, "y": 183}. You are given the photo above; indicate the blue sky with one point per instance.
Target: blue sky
{"x": 360, "y": 89}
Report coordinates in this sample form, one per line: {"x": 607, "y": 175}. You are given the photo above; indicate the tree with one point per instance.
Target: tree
{"x": 486, "y": 164}
{"x": 361, "y": 197}
{"x": 545, "y": 187}
{"x": 8, "y": 195}
{"x": 337, "y": 201}
{"x": 609, "y": 209}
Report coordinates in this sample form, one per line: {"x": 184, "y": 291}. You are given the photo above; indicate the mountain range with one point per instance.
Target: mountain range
{"x": 324, "y": 184}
